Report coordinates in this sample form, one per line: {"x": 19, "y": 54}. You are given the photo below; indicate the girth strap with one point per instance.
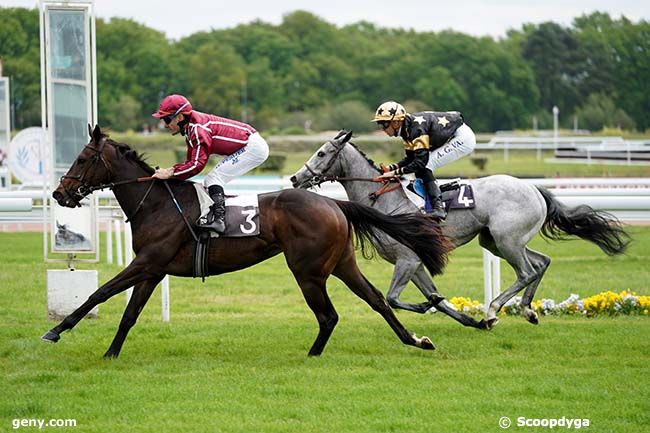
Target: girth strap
{"x": 200, "y": 259}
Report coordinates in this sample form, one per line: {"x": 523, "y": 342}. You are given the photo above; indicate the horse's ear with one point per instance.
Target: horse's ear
{"x": 90, "y": 131}
{"x": 97, "y": 134}
{"x": 343, "y": 136}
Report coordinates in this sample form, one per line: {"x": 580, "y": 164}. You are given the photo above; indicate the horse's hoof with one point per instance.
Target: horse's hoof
{"x": 110, "y": 355}
{"x": 533, "y": 319}
{"x": 491, "y": 323}
{"x": 51, "y": 337}
{"x": 426, "y": 344}
{"x": 483, "y": 325}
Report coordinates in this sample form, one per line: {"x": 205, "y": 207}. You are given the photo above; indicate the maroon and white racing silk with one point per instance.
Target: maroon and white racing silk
{"x": 207, "y": 134}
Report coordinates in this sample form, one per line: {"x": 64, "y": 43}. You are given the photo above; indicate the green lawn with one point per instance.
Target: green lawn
{"x": 233, "y": 357}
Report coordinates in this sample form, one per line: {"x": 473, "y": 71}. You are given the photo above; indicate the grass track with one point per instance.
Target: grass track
{"x": 233, "y": 357}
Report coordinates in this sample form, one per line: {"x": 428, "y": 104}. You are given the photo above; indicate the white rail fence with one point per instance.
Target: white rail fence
{"x": 627, "y": 198}
{"x": 585, "y": 149}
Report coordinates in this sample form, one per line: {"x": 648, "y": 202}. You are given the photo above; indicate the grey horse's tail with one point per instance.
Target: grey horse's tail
{"x": 601, "y": 228}
{"x": 420, "y": 233}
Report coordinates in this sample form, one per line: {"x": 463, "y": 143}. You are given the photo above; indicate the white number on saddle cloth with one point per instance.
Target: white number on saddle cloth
{"x": 466, "y": 201}
{"x": 252, "y": 226}
{"x": 242, "y": 216}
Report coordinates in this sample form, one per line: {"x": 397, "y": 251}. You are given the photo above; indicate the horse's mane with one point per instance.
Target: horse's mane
{"x": 370, "y": 161}
{"x": 125, "y": 151}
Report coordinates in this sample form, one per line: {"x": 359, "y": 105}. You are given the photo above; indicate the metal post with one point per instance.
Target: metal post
{"x": 118, "y": 242}
{"x": 109, "y": 243}
{"x": 165, "y": 299}
{"x": 556, "y": 111}
{"x": 491, "y": 278}
{"x": 487, "y": 280}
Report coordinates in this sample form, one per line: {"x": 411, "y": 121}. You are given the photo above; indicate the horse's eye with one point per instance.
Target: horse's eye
{"x": 321, "y": 154}
{"x": 80, "y": 161}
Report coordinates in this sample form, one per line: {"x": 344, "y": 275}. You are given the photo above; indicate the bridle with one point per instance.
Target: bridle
{"x": 84, "y": 188}
{"x": 319, "y": 178}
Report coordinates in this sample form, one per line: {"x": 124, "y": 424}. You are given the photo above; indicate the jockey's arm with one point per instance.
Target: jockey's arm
{"x": 198, "y": 155}
{"x": 414, "y": 161}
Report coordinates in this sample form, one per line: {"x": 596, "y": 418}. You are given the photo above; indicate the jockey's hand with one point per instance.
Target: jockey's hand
{"x": 163, "y": 173}
{"x": 387, "y": 175}
{"x": 383, "y": 168}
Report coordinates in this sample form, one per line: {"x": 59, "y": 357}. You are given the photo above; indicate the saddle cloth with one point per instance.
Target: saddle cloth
{"x": 242, "y": 213}
{"x": 455, "y": 194}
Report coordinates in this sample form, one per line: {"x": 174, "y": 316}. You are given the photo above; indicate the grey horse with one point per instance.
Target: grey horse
{"x": 508, "y": 213}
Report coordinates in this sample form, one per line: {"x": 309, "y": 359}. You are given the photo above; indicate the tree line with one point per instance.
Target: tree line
{"x": 308, "y": 73}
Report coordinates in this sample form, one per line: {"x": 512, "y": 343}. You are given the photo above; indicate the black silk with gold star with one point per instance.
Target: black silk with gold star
{"x": 429, "y": 129}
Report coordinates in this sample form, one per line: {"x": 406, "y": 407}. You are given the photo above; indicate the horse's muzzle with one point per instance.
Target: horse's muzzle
{"x": 64, "y": 199}
{"x": 298, "y": 184}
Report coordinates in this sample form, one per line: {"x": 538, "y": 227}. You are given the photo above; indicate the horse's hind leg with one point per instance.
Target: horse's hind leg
{"x": 348, "y": 271}
{"x": 540, "y": 262}
{"x": 139, "y": 298}
{"x": 515, "y": 254}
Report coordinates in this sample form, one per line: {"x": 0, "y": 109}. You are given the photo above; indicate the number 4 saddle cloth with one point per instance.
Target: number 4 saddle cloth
{"x": 242, "y": 213}
{"x": 455, "y": 194}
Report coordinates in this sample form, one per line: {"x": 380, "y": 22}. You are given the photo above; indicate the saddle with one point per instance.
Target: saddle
{"x": 455, "y": 194}
{"x": 242, "y": 220}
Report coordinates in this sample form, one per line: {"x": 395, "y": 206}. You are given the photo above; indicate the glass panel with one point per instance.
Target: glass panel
{"x": 4, "y": 117}
{"x": 68, "y": 44}
{"x": 70, "y": 124}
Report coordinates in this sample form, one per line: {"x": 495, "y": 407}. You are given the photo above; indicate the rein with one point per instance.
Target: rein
{"x": 84, "y": 189}
{"x": 373, "y": 196}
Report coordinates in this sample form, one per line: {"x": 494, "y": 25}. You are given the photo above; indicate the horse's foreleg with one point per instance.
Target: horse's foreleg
{"x": 315, "y": 293}
{"x": 423, "y": 282}
{"x": 402, "y": 274}
{"x": 131, "y": 275}
{"x": 139, "y": 298}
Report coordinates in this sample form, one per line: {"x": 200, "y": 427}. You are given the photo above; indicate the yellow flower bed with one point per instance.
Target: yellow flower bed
{"x": 466, "y": 305}
{"x": 605, "y": 303}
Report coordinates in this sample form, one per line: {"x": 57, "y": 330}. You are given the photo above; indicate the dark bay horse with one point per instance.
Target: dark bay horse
{"x": 508, "y": 214}
{"x": 315, "y": 234}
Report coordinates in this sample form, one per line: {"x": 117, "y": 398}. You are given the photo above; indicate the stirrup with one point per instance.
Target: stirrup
{"x": 437, "y": 211}
{"x": 216, "y": 224}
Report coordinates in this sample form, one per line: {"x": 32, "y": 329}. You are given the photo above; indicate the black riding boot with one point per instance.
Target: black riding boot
{"x": 435, "y": 197}
{"x": 216, "y": 218}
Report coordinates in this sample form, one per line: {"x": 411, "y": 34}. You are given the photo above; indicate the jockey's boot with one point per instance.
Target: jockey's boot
{"x": 216, "y": 218}
{"x": 435, "y": 197}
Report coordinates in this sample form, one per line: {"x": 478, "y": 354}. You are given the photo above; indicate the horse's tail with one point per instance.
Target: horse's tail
{"x": 601, "y": 228}
{"x": 420, "y": 233}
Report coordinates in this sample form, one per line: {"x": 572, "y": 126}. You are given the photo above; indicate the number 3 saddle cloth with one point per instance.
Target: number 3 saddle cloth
{"x": 242, "y": 213}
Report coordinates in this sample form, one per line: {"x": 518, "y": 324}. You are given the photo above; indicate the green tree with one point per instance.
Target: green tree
{"x": 216, "y": 82}
{"x": 19, "y": 50}
{"x": 599, "y": 111}
{"x": 552, "y": 52}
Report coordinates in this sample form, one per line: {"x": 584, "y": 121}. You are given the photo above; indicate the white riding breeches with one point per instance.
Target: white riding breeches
{"x": 240, "y": 162}
{"x": 460, "y": 144}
